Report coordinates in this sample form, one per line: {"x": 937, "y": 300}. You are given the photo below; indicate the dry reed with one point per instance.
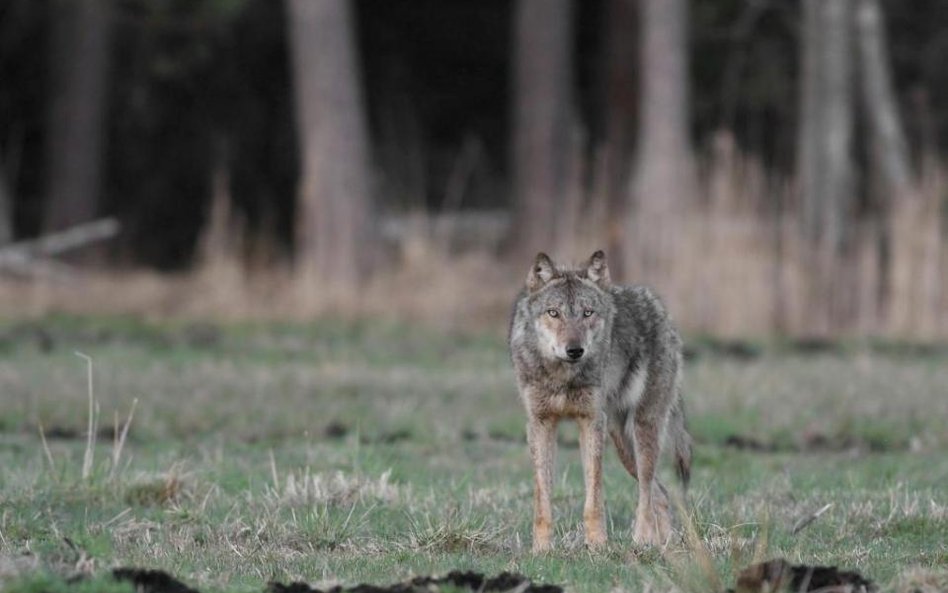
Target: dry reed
{"x": 740, "y": 267}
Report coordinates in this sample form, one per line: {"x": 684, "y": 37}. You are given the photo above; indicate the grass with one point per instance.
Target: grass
{"x": 374, "y": 452}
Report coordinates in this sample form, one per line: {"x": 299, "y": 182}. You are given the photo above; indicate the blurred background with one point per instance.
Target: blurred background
{"x": 770, "y": 166}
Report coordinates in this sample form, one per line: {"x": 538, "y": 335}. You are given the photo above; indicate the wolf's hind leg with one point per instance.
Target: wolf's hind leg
{"x": 541, "y": 435}
{"x": 592, "y": 435}
{"x": 652, "y": 518}
{"x": 625, "y": 450}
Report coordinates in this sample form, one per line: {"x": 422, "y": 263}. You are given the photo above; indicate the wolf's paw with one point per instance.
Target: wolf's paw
{"x": 653, "y": 524}
{"x": 595, "y": 539}
{"x": 651, "y": 533}
{"x": 541, "y": 546}
{"x": 542, "y": 536}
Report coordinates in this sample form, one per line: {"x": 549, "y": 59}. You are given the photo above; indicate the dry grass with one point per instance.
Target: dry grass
{"x": 739, "y": 268}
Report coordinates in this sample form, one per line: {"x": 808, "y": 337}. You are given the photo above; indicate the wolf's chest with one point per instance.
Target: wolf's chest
{"x": 582, "y": 402}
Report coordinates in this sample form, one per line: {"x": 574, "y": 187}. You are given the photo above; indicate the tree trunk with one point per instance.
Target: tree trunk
{"x": 621, "y": 84}
{"x": 664, "y": 180}
{"x": 542, "y": 120}
{"x": 79, "y": 64}
{"x": 621, "y": 98}
{"x": 889, "y": 148}
{"x": 824, "y": 164}
{"x": 333, "y": 230}
{"x": 889, "y": 154}
{"x": 826, "y": 122}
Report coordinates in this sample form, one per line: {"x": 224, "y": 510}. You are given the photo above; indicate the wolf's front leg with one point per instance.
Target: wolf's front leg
{"x": 653, "y": 517}
{"x": 592, "y": 434}
{"x": 541, "y": 435}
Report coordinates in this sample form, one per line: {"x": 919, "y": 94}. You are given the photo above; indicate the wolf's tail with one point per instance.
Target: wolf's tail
{"x": 680, "y": 441}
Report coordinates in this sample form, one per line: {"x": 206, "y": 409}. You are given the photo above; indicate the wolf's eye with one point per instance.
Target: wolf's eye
{"x": 588, "y": 313}
{"x": 553, "y": 313}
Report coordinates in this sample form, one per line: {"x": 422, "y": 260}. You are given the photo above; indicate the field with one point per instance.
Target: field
{"x": 375, "y": 451}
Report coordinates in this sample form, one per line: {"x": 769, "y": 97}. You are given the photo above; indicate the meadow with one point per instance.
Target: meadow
{"x": 371, "y": 451}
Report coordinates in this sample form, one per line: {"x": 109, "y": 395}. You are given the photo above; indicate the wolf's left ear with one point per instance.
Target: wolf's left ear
{"x": 597, "y": 270}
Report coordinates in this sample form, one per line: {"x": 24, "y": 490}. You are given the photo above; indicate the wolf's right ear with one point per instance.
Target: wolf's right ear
{"x": 542, "y": 271}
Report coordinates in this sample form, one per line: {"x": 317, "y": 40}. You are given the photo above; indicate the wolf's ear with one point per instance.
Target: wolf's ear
{"x": 542, "y": 271}
{"x": 597, "y": 270}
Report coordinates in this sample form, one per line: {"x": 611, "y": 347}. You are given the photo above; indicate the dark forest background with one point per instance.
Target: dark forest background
{"x": 197, "y": 99}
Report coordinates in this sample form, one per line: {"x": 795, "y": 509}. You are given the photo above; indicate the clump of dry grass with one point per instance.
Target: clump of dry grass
{"x": 337, "y": 488}
{"x": 159, "y": 490}
{"x": 455, "y": 532}
{"x": 921, "y": 580}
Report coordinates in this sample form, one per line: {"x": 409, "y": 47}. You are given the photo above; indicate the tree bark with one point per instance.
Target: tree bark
{"x": 664, "y": 180}
{"x": 333, "y": 227}
{"x": 621, "y": 62}
{"x": 826, "y": 122}
{"x": 889, "y": 147}
{"x": 79, "y": 64}
{"x": 621, "y": 104}
{"x": 542, "y": 120}
{"x": 824, "y": 162}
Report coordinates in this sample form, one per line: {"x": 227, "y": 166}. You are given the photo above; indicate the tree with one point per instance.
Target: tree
{"x": 79, "y": 65}
{"x": 664, "y": 179}
{"x": 333, "y": 228}
{"x": 824, "y": 164}
{"x": 889, "y": 147}
{"x": 541, "y": 120}
{"x": 620, "y": 106}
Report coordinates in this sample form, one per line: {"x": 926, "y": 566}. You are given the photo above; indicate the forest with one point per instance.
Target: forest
{"x": 772, "y": 167}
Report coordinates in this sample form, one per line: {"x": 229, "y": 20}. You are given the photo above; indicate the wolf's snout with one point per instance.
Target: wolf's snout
{"x": 574, "y": 352}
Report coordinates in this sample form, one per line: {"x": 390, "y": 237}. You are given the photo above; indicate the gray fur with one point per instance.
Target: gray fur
{"x": 629, "y": 373}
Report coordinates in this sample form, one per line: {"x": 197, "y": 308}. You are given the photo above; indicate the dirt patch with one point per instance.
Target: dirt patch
{"x": 780, "y": 575}
{"x": 472, "y": 581}
{"x": 151, "y": 581}
{"x": 156, "y": 581}
{"x": 335, "y": 430}
{"x": 813, "y": 442}
{"x": 736, "y": 349}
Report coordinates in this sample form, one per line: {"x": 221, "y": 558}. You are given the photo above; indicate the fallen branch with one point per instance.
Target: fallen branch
{"x": 31, "y": 257}
{"x": 63, "y": 241}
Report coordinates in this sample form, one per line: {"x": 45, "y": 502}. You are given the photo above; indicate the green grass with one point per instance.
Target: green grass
{"x": 377, "y": 452}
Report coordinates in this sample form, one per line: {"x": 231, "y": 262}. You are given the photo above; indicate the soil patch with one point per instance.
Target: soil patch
{"x": 780, "y": 575}
{"x": 813, "y": 442}
{"x": 156, "y": 581}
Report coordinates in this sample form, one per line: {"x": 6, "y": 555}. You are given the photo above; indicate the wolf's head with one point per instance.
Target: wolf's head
{"x": 570, "y": 309}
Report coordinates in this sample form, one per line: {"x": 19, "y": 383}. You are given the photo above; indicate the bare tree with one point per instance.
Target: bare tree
{"x": 664, "y": 177}
{"x": 620, "y": 105}
{"x": 621, "y": 82}
{"x": 824, "y": 160}
{"x": 889, "y": 147}
{"x": 333, "y": 229}
{"x": 79, "y": 65}
{"x": 542, "y": 119}
{"x": 824, "y": 164}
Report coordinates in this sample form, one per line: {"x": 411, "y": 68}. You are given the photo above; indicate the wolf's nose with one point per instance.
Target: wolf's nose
{"x": 575, "y": 353}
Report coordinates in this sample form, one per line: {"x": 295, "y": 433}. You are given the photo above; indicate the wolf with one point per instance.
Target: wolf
{"x": 608, "y": 357}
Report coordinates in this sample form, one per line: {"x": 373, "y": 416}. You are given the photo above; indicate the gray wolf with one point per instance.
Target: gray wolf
{"x": 608, "y": 357}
